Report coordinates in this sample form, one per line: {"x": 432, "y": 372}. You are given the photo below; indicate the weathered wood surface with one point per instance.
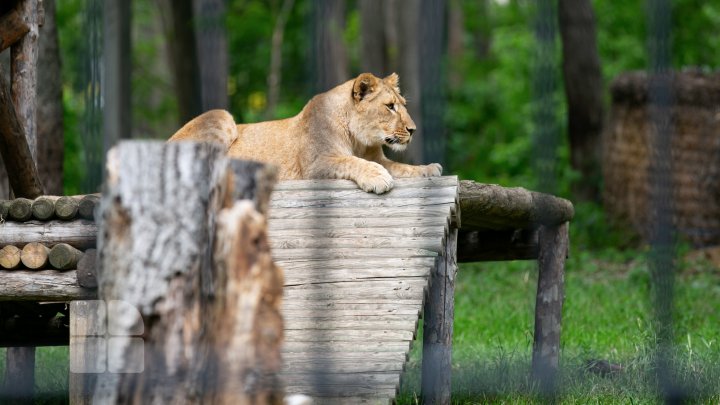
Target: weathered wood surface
{"x": 87, "y": 269}
{"x": 356, "y": 273}
{"x": 10, "y": 257}
{"x": 438, "y": 327}
{"x": 12, "y": 27}
{"x": 43, "y": 208}
{"x": 81, "y": 234}
{"x": 64, "y": 257}
{"x": 44, "y": 285}
{"x": 87, "y": 324}
{"x": 20, "y": 209}
{"x": 549, "y": 302}
{"x": 14, "y": 147}
{"x": 34, "y": 256}
{"x": 489, "y": 206}
{"x": 19, "y": 380}
{"x": 24, "y": 57}
{"x": 66, "y": 207}
{"x": 87, "y": 206}
{"x": 217, "y": 342}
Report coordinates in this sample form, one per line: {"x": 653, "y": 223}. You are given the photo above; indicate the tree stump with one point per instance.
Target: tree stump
{"x": 210, "y": 326}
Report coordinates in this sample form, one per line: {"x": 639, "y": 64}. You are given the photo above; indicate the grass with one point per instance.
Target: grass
{"x": 607, "y": 315}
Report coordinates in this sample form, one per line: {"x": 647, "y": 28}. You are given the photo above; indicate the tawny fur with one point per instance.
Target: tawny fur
{"x": 339, "y": 134}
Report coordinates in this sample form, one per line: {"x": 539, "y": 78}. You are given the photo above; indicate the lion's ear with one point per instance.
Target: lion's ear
{"x": 393, "y": 81}
{"x": 364, "y": 85}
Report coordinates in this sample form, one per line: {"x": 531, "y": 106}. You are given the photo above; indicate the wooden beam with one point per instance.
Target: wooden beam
{"x": 15, "y": 147}
{"x": 489, "y": 206}
{"x": 81, "y": 233}
{"x": 548, "y": 304}
{"x": 489, "y": 245}
{"x": 42, "y": 286}
{"x": 438, "y": 327}
{"x": 12, "y": 27}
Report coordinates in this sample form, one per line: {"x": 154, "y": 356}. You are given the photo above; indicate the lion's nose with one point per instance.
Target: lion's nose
{"x": 411, "y": 130}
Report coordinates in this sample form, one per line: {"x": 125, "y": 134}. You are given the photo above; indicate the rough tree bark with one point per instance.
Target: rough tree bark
{"x": 329, "y": 59}
{"x": 50, "y": 141}
{"x": 584, "y": 93}
{"x": 24, "y": 58}
{"x": 195, "y": 338}
{"x": 177, "y": 18}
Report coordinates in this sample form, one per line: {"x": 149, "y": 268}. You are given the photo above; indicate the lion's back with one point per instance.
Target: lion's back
{"x": 274, "y": 142}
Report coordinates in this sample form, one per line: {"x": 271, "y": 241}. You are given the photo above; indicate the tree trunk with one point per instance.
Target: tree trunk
{"x": 50, "y": 141}
{"x": 374, "y": 52}
{"x": 275, "y": 76}
{"x": 329, "y": 62}
{"x": 177, "y": 18}
{"x": 408, "y": 65}
{"x": 455, "y": 46}
{"x": 209, "y": 301}
{"x": 432, "y": 27}
{"x": 24, "y": 58}
{"x": 117, "y": 101}
{"x": 212, "y": 47}
{"x": 583, "y": 89}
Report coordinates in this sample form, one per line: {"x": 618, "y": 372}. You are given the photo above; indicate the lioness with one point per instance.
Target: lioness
{"x": 339, "y": 134}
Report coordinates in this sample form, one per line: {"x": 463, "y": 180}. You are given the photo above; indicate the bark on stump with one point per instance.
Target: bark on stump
{"x": 158, "y": 229}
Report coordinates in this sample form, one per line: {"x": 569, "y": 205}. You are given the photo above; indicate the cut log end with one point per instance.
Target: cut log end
{"x": 87, "y": 206}
{"x": 35, "y": 256}
{"x": 64, "y": 257}
{"x": 66, "y": 208}
{"x": 10, "y": 257}
{"x": 20, "y": 209}
{"x": 43, "y": 208}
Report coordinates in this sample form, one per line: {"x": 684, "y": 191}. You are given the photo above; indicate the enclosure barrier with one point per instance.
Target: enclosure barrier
{"x": 344, "y": 288}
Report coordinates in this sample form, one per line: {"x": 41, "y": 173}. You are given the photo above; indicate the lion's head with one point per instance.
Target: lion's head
{"x": 380, "y": 116}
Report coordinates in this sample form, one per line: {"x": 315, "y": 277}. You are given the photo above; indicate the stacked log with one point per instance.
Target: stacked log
{"x": 45, "y": 208}
{"x": 695, "y": 145}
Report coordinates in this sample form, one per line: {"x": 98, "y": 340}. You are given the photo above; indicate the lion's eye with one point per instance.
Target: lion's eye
{"x": 390, "y": 106}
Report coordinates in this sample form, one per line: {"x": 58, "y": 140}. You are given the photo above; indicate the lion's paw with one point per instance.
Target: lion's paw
{"x": 378, "y": 181}
{"x": 432, "y": 170}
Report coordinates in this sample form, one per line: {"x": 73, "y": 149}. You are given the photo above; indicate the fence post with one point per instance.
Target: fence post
{"x": 175, "y": 341}
{"x": 438, "y": 327}
{"x": 553, "y": 248}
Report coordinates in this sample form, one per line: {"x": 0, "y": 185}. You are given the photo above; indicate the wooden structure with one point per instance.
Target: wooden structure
{"x": 358, "y": 268}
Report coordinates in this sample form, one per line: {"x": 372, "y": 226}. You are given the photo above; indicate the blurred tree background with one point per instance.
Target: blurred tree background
{"x": 274, "y": 67}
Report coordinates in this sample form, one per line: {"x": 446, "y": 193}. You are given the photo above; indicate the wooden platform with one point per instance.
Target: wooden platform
{"x": 357, "y": 267}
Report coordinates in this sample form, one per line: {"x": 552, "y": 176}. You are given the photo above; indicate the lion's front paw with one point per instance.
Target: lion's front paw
{"x": 376, "y": 180}
{"x": 432, "y": 170}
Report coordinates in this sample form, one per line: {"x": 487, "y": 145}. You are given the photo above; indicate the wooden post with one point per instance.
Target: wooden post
{"x": 553, "y": 241}
{"x": 158, "y": 225}
{"x": 24, "y": 56}
{"x": 15, "y": 147}
{"x": 19, "y": 381}
{"x": 438, "y": 327}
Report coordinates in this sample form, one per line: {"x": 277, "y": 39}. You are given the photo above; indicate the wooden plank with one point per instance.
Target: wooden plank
{"x": 348, "y": 335}
{"x": 344, "y": 347}
{"x": 309, "y": 365}
{"x": 349, "y": 308}
{"x": 410, "y": 182}
{"x": 348, "y": 253}
{"x": 81, "y": 234}
{"x": 320, "y": 275}
{"x": 346, "y": 356}
{"x": 348, "y": 391}
{"x": 339, "y": 302}
{"x": 387, "y": 222}
{"x": 293, "y": 322}
{"x": 397, "y": 264}
{"x": 360, "y": 241}
{"x": 449, "y": 193}
{"x": 88, "y": 354}
{"x": 405, "y": 203}
{"x": 342, "y": 379}
{"x": 46, "y": 285}
{"x": 389, "y": 212}
{"x": 387, "y": 289}
{"x": 353, "y": 232}
{"x": 377, "y": 323}
{"x": 380, "y": 399}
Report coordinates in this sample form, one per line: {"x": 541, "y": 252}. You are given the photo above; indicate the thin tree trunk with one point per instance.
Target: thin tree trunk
{"x": 177, "y": 16}
{"x": 212, "y": 47}
{"x": 408, "y": 65}
{"x": 330, "y": 64}
{"x": 50, "y": 108}
{"x": 583, "y": 89}
{"x": 455, "y": 46}
{"x": 373, "y": 58}
{"x": 5, "y": 191}
{"x": 117, "y": 102}
{"x": 432, "y": 29}
{"x": 275, "y": 76}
